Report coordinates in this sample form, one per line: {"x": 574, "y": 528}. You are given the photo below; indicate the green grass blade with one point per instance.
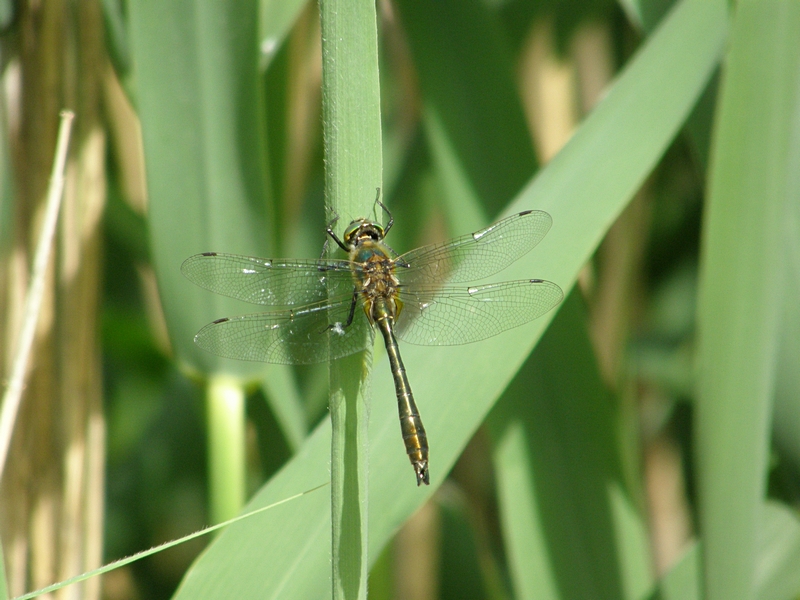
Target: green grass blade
{"x": 741, "y": 286}
{"x": 565, "y": 535}
{"x": 584, "y": 188}
{"x": 122, "y": 562}
{"x": 352, "y": 128}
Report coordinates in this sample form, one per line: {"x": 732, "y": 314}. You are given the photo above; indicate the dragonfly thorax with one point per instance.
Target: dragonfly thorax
{"x": 376, "y": 280}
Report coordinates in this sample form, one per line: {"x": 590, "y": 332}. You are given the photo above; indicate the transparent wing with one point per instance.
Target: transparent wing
{"x": 292, "y": 337}
{"x": 272, "y": 282}
{"x": 454, "y": 315}
{"x": 475, "y": 255}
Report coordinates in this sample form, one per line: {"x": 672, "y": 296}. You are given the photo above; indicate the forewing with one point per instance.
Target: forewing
{"x": 476, "y": 255}
{"x": 292, "y": 337}
{"x": 272, "y": 282}
{"x": 453, "y": 315}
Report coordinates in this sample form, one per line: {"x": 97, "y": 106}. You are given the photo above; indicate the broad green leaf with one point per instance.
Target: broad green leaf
{"x": 787, "y": 391}
{"x": 466, "y": 75}
{"x": 575, "y": 536}
{"x": 646, "y": 13}
{"x": 203, "y": 152}
{"x": 275, "y": 19}
{"x": 206, "y": 185}
{"x": 741, "y": 289}
{"x": 683, "y": 581}
{"x": 777, "y": 576}
{"x": 787, "y": 386}
{"x": 284, "y": 400}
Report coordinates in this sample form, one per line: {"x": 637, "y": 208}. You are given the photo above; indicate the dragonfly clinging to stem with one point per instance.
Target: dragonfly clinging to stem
{"x": 329, "y": 308}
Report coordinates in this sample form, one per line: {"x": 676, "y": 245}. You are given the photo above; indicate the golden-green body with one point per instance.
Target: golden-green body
{"x": 378, "y": 286}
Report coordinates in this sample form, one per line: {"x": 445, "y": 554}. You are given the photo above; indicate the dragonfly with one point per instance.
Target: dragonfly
{"x": 325, "y": 309}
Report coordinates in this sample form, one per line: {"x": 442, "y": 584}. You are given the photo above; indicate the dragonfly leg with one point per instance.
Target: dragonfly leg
{"x": 329, "y": 230}
{"x": 352, "y": 308}
{"x": 336, "y": 239}
{"x": 386, "y": 210}
{"x": 350, "y": 316}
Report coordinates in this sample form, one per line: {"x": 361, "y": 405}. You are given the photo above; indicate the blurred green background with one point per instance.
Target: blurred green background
{"x": 647, "y": 447}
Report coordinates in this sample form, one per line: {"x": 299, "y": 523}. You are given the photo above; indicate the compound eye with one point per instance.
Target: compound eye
{"x": 351, "y": 232}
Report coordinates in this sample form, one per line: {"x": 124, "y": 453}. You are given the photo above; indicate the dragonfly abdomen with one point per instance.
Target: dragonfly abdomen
{"x": 414, "y": 437}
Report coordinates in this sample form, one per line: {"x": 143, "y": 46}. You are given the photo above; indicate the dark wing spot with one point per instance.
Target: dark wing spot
{"x": 208, "y": 254}
{"x": 218, "y": 321}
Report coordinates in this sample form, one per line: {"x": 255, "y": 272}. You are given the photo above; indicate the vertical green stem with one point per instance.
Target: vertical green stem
{"x": 225, "y": 405}
{"x": 351, "y": 122}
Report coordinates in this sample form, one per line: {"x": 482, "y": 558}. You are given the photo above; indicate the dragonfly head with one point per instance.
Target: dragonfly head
{"x": 362, "y": 230}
